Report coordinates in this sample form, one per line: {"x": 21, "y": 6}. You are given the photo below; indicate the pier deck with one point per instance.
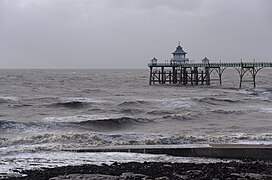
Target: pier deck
{"x": 199, "y": 73}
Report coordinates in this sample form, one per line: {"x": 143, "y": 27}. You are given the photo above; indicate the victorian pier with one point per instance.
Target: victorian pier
{"x": 181, "y": 71}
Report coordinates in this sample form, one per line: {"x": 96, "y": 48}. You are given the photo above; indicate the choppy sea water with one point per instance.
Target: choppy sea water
{"x": 45, "y": 111}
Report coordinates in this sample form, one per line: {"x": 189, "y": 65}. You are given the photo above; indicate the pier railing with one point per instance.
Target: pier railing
{"x": 213, "y": 65}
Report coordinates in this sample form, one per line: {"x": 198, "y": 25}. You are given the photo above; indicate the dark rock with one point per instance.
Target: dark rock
{"x": 156, "y": 170}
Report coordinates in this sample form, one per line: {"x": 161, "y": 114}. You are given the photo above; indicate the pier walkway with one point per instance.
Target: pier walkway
{"x": 199, "y": 73}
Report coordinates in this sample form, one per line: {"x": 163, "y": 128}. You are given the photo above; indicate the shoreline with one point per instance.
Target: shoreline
{"x": 245, "y": 165}
{"x": 155, "y": 170}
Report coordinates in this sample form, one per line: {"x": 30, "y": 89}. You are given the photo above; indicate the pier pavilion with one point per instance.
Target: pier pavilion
{"x": 183, "y": 72}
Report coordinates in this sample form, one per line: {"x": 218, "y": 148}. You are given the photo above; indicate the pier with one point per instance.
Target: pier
{"x": 199, "y": 73}
{"x": 180, "y": 71}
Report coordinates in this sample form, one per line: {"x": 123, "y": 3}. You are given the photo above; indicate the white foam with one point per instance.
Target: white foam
{"x": 178, "y": 103}
{"x": 56, "y": 159}
{"x": 247, "y": 91}
{"x": 79, "y": 118}
{"x": 266, "y": 110}
{"x": 257, "y": 142}
{"x": 9, "y": 98}
{"x": 261, "y": 93}
{"x": 265, "y": 95}
{"x": 18, "y": 127}
{"x": 79, "y": 99}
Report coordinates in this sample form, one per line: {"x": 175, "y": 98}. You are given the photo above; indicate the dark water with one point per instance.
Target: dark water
{"x": 44, "y": 111}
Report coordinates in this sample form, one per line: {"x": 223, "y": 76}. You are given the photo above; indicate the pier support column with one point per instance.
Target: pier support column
{"x": 202, "y": 77}
{"x": 180, "y": 76}
{"x": 174, "y": 75}
{"x": 207, "y": 73}
{"x": 220, "y": 75}
{"x": 170, "y": 79}
{"x": 162, "y": 75}
{"x": 254, "y": 73}
{"x": 196, "y": 75}
{"x": 192, "y": 76}
{"x": 185, "y": 77}
{"x": 242, "y": 71}
{"x": 150, "y": 76}
{"x": 240, "y": 84}
{"x": 254, "y": 80}
{"x": 159, "y": 76}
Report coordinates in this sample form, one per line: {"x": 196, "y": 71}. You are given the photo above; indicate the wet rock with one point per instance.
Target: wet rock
{"x": 131, "y": 175}
{"x": 156, "y": 170}
{"x": 85, "y": 177}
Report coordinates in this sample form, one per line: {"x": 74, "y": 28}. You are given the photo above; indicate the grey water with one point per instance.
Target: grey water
{"x": 45, "y": 111}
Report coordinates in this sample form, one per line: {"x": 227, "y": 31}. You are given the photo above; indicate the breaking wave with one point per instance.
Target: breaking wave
{"x": 7, "y": 99}
{"x": 131, "y": 111}
{"x": 133, "y": 103}
{"x": 217, "y": 101}
{"x": 266, "y": 110}
{"x": 113, "y": 124}
{"x": 88, "y": 139}
{"x": 185, "y": 116}
{"x": 178, "y": 103}
{"x": 11, "y": 126}
{"x": 160, "y": 112}
{"x": 261, "y": 93}
{"x": 97, "y": 122}
{"x": 220, "y": 111}
{"x": 78, "y": 118}
{"x": 75, "y": 102}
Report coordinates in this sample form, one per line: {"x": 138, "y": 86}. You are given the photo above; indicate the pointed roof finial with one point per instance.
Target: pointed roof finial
{"x": 179, "y": 43}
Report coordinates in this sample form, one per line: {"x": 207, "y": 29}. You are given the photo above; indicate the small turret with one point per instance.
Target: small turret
{"x": 154, "y": 60}
{"x": 205, "y": 60}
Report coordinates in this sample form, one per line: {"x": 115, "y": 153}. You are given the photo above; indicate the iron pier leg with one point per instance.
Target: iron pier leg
{"x": 163, "y": 79}
{"x": 254, "y": 76}
{"x": 220, "y": 75}
{"x": 180, "y": 76}
{"x": 153, "y": 77}
{"x": 184, "y": 76}
{"x": 254, "y": 81}
{"x": 207, "y": 72}
{"x": 174, "y": 75}
{"x": 202, "y": 77}
{"x": 150, "y": 76}
{"x": 241, "y": 78}
{"x": 170, "y": 79}
{"x": 241, "y": 74}
{"x": 159, "y": 75}
{"x": 192, "y": 76}
{"x": 196, "y": 75}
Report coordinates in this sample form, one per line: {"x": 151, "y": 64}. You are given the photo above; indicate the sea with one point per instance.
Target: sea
{"x": 43, "y": 112}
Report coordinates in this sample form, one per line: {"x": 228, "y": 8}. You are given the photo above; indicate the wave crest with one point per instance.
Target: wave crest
{"x": 75, "y": 102}
{"x": 83, "y": 140}
{"x": 133, "y": 103}
{"x": 113, "y": 124}
{"x": 217, "y": 101}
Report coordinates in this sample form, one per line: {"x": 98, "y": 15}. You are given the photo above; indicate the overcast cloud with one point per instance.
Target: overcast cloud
{"x": 128, "y": 33}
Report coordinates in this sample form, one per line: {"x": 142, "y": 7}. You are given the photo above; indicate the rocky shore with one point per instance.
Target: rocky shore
{"x": 155, "y": 170}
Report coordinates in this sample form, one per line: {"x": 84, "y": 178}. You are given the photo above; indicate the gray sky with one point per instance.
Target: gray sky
{"x": 128, "y": 33}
